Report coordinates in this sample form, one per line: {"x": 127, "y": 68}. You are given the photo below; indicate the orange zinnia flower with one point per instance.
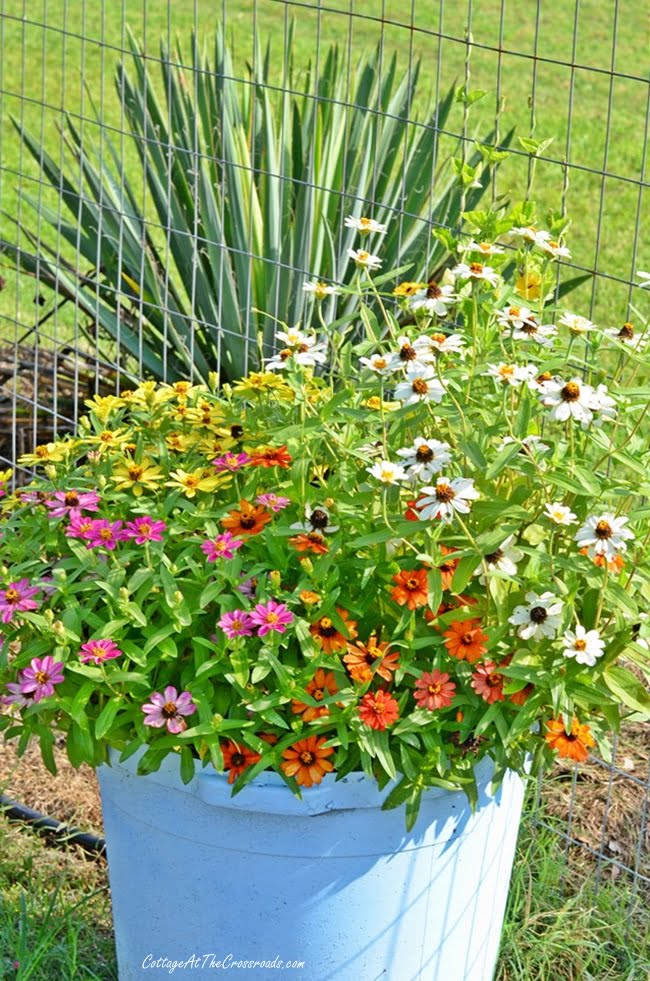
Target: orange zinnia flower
{"x": 307, "y": 760}
{"x": 466, "y": 640}
{"x": 614, "y": 565}
{"x": 320, "y": 686}
{"x": 411, "y": 588}
{"x": 313, "y": 541}
{"x": 362, "y": 661}
{"x": 270, "y": 456}
{"x": 447, "y": 568}
{"x": 237, "y": 758}
{"x": 572, "y": 745}
{"x": 378, "y": 709}
{"x": 249, "y": 520}
{"x": 411, "y": 514}
{"x": 309, "y": 597}
{"x": 519, "y": 697}
{"x": 328, "y": 637}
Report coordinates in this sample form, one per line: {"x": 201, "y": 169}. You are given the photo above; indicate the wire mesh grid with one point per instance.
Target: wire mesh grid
{"x": 570, "y": 70}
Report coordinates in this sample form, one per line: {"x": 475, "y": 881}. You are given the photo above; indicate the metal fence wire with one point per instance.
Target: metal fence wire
{"x": 561, "y": 84}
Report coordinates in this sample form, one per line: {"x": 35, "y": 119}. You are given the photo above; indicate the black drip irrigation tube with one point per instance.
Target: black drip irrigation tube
{"x": 55, "y": 831}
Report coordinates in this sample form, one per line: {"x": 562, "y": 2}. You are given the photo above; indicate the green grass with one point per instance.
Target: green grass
{"x": 47, "y": 66}
{"x": 55, "y": 916}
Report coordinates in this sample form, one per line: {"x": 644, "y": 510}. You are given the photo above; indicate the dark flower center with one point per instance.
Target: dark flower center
{"x": 237, "y": 759}
{"x": 236, "y": 432}
{"x": 626, "y": 332}
{"x": 476, "y": 268}
{"x": 570, "y": 392}
{"x": 42, "y": 677}
{"x": 494, "y": 680}
{"x": 71, "y": 499}
{"x": 318, "y": 694}
{"x": 494, "y": 557}
{"x": 326, "y": 628}
{"x": 318, "y": 518}
{"x": 247, "y": 522}
{"x": 444, "y": 493}
{"x": 168, "y": 710}
{"x": 307, "y": 757}
{"x": 135, "y": 473}
{"x": 538, "y": 614}
{"x": 420, "y": 387}
{"x": 412, "y": 584}
{"x": 528, "y": 328}
{"x": 603, "y": 530}
{"x": 12, "y": 596}
{"x": 433, "y": 291}
{"x": 424, "y": 454}
{"x": 407, "y": 353}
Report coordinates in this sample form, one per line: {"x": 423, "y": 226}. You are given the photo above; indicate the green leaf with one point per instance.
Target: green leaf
{"x": 107, "y": 715}
{"x": 627, "y": 688}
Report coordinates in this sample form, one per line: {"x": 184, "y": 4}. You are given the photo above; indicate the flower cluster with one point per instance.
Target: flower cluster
{"x": 394, "y": 553}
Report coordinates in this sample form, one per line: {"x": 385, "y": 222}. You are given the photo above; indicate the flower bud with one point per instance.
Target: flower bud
{"x": 101, "y": 481}
{"x": 124, "y": 594}
{"x": 217, "y": 720}
{"x": 60, "y": 575}
{"x": 276, "y": 578}
{"x": 48, "y": 616}
{"x": 307, "y": 565}
{"x": 58, "y": 628}
{"x": 213, "y": 380}
{"x": 50, "y": 471}
{"x": 459, "y": 716}
{"x": 178, "y": 597}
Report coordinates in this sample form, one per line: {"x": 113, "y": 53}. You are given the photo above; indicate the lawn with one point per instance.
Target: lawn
{"x": 597, "y": 121}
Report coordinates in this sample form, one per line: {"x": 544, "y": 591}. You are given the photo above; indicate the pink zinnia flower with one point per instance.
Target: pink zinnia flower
{"x": 231, "y": 461}
{"x": 169, "y": 709}
{"x": 79, "y": 527}
{"x": 98, "y": 651}
{"x": 18, "y": 596}
{"x": 434, "y": 690}
{"x": 222, "y": 547}
{"x": 237, "y": 623}
{"x": 105, "y": 534}
{"x": 271, "y": 616}
{"x": 72, "y": 502}
{"x": 41, "y": 676}
{"x": 488, "y": 683}
{"x": 145, "y": 530}
{"x": 16, "y": 695}
{"x": 272, "y": 501}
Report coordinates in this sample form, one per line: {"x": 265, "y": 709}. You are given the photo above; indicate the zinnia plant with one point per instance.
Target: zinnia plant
{"x": 396, "y": 555}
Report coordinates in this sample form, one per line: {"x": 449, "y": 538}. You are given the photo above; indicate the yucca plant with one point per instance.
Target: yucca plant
{"x": 250, "y": 185}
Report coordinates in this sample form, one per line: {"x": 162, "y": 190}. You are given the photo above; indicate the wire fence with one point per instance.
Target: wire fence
{"x": 97, "y": 201}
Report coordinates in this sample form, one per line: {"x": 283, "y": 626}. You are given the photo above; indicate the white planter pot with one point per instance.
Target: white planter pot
{"x": 198, "y": 877}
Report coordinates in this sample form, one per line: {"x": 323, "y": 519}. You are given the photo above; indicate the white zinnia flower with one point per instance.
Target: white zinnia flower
{"x": 515, "y": 317}
{"x": 644, "y": 277}
{"x": 425, "y": 458}
{"x": 554, "y": 248}
{"x": 320, "y": 290}
{"x": 447, "y": 497}
{"x": 530, "y": 330}
{"x": 363, "y": 259}
{"x": 365, "y": 225}
{"x": 387, "y": 472}
{"x": 431, "y": 345}
{"x": 432, "y": 299}
{"x": 476, "y": 270}
{"x": 560, "y": 514}
{"x": 540, "y": 618}
{"x": 308, "y": 354}
{"x": 577, "y": 324}
{"x": 627, "y": 335}
{"x": 530, "y": 234}
{"x": 318, "y": 519}
{"x": 529, "y": 443}
{"x": 408, "y": 355}
{"x": 604, "y": 534}
{"x": 585, "y": 645}
{"x": 504, "y": 559}
{"x": 485, "y": 248}
{"x": 511, "y": 374}
{"x": 420, "y": 385}
{"x": 604, "y": 406}
{"x": 572, "y": 399}
{"x": 292, "y": 337}
{"x": 381, "y": 364}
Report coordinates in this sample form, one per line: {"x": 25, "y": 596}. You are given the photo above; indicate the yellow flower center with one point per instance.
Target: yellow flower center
{"x": 169, "y": 710}
{"x": 444, "y": 493}
{"x": 307, "y": 758}
{"x": 420, "y": 386}
{"x": 135, "y": 472}
{"x": 42, "y": 677}
{"x": 12, "y": 596}
{"x": 603, "y": 530}
{"x": 570, "y": 392}
{"x": 191, "y": 481}
{"x": 580, "y": 645}
{"x": 476, "y": 268}
{"x": 106, "y": 534}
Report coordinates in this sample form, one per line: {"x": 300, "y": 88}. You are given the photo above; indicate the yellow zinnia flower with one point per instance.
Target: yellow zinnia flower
{"x": 197, "y": 480}
{"x": 103, "y": 405}
{"x": 179, "y": 442}
{"x": 529, "y": 285}
{"x": 205, "y": 414}
{"x": 137, "y": 476}
{"x": 183, "y": 390}
{"x": 109, "y": 439}
{"x": 408, "y": 289}
{"x": 264, "y": 382}
{"x": 45, "y": 453}
{"x": 375, "y": 403}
